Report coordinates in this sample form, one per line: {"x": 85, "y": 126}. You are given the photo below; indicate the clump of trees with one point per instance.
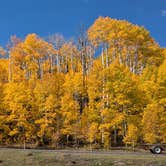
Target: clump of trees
{"x": 56, "y": 92}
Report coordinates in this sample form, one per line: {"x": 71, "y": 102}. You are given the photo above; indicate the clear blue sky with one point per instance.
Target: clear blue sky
{"x": 46, "y": 17}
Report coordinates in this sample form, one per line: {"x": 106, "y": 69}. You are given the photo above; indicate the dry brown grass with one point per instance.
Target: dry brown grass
{"x": 17, "y": 157}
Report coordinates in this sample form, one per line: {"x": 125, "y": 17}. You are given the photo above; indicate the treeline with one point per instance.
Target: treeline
{"x": 56, "y": 92}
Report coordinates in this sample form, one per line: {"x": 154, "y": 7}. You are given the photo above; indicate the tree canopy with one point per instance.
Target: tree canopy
{"x": 107, "y": 88}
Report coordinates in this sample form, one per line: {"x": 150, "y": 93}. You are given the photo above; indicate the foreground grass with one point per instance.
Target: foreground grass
{"x": 16, "y": 157}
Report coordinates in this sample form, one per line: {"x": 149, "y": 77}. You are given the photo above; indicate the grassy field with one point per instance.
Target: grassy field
{"x": 17, "y": 157}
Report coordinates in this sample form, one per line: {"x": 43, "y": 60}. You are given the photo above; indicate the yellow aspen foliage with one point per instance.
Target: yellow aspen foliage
{"x": 92, "y": 132}
{"x": 106, "y": 89}
{"x": 152, "y": 123}
{"x": 4, "y": 70}
{"x": 132, "y": 135}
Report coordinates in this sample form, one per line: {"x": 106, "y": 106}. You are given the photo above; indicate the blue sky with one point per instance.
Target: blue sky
{"x": 45, "y": 17}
